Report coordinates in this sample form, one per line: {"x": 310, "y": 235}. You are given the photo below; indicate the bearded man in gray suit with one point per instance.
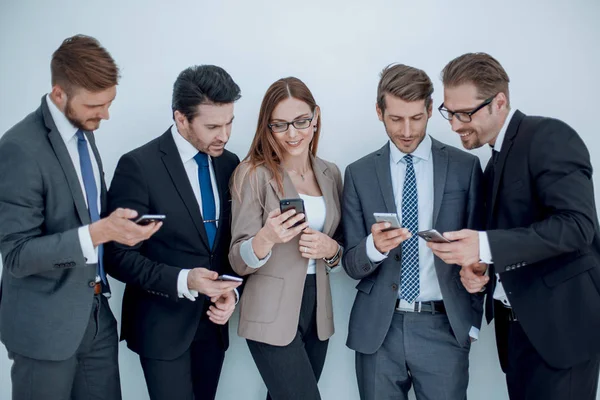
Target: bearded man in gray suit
{"x": 412, "y": 322}
{"x": 54, "y": 316}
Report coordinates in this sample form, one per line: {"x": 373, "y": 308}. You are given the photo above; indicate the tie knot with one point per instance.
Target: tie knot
{"x": 408, "y": 158}
{"x": 201, "y": 159}
{"x": 80, "y": 135}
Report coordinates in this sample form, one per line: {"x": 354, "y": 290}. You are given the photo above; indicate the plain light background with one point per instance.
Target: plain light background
{"x": 549, "y": 49}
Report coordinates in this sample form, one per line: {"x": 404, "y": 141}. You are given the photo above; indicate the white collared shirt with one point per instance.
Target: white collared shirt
{"x": 67, "y": 133}
{"x": 485, "y": 253}
{"x": 187, "y": 152}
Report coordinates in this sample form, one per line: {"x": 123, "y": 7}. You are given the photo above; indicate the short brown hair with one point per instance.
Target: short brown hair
{"x": 407, "y": 83}
{"x": 81, "y": 62}
{"x": 479, "y": 69}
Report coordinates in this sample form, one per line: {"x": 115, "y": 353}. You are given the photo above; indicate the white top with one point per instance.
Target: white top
{"x": 315, "y": 211}
{"x": 67, "y": 133}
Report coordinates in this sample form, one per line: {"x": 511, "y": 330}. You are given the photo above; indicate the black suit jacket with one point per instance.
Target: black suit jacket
{"x": 152, "y": 180}
{"x": 543, "y": 234}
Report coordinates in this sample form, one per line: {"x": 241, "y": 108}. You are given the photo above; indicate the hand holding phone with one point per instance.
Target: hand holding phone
{"x": 387, "y": 239}
{"x": 296, "y": 204}
{"x": 434, "y": 236}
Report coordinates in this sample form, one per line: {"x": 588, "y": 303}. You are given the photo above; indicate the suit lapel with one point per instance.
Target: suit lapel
{"x": 384, "y": 176}
{"x": 172, "y": 161}
{"x": 64, "y": 159}
{"x": 329, "y": 191}
{"x": 511, "y": 132}
{"x": 440, "y": 170}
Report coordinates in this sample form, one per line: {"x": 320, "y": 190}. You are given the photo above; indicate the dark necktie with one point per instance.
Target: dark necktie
{"x": 209, "y": 212}
{"x": 91, "y": 192}
{"x": 409, "y": 281}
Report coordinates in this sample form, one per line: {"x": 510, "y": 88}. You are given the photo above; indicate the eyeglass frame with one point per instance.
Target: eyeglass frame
{"x": 469, "y": 114}
{"x": 292, "y": 123}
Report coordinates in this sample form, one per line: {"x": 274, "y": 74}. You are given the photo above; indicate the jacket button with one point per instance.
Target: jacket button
{"x": 91, "y": 283}
{"x": 366, "y": 268}
{"x": 395, "y": 287}
{"x": 397, "y": 257}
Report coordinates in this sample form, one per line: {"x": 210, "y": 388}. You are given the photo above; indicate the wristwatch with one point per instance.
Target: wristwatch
{"x": 331, "y": 261}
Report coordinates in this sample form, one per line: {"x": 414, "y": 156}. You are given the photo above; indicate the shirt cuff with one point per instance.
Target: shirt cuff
{"x": 182, "y": 287}
{"x": 237, "y": 296}
{"x": 485, "y": 253}
{"x": 90, "y": 253}
{"x": 249, "y": 257}
{"x": 374, "y": 255}
{"x": 474, "y": 333}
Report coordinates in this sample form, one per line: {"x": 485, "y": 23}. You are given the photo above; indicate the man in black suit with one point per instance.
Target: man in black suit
{"x": 541, "y": 241}
{"x": 181, "y": 336}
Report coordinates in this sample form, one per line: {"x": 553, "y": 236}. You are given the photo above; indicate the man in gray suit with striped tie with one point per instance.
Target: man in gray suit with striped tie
{"x": 412, "y": 322}
{"x": 54, "y": 316}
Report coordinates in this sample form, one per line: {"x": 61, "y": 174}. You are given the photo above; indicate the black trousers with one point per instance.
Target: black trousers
{"x": 92, "y": 373}
{"x": 529, "y": 377}
{"x": 192, "y": 376}
{"x": 291, "y": 372}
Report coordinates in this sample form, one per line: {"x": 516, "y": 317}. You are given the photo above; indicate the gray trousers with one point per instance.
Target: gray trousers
{"x": 92, "y": 373}
{"x": 419, "y": 350}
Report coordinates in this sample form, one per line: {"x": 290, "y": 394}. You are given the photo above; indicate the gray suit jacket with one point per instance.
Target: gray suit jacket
{"x": 457, "y": 205}
{"x": 47, "y": 288}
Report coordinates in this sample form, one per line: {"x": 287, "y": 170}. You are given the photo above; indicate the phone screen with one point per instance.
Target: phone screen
{"x": 297, "y": 204}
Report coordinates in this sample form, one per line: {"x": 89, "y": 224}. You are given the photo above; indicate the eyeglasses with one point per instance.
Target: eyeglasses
{"x": 280, "y": 127}
{"x": 463, "y": 116}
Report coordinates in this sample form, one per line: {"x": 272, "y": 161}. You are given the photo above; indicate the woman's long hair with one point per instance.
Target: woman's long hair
{"x": 265, "y": 151}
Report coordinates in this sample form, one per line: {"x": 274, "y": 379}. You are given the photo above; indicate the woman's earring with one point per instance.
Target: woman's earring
{"x": 315, "y": 129}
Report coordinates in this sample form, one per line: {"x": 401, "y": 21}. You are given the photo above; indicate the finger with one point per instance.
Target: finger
{"x": 305, "y": 237}
{"x": 275, "y": 213}
{"x": 292, "y": 221}
{"x": 126, "y": 213}
{"x": 379, "y": 227}
{"x": 285, "y": 216}
{"x": 207, "y": 273}
{"x": 309, "y": 231}
{"x": 458, "y": 235}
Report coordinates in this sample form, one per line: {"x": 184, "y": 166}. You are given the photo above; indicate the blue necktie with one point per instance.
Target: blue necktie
{"x": 91, "y": 192}
{"x": 209, "y": 212}
{"x": 409, "y": 282}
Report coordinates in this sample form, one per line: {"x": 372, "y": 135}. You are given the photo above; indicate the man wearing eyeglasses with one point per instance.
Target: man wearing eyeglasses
{"x": 175, "y": 310}
{"x": 541, "y": 240}
{"x": 412, "y": 323}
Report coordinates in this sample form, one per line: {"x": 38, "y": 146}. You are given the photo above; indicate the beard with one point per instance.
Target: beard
{"x": 84, "y": 125}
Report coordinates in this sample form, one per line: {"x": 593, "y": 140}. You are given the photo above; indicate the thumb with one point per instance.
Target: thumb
{"x": 208, "y": 274}
{"x": 125, "y": 213}
{"x": 457, "y": 235}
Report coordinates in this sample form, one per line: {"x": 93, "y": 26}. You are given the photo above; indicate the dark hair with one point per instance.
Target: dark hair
{"x": 480, "y": 69}
{"x": 264, "y": 149}
{"x": 81, "y": 62}
{"x": 202, "y": 84}
{"x": 407, "y": 83}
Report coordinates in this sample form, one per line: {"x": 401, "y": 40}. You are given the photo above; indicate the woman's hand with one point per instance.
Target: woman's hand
{"x": 316, "y": 245}
{"x": 279, "y": 228}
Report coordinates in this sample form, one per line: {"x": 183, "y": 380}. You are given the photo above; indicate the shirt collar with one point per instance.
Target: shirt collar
{"x": 186, "y": 150}
{"x": 422, "y": 152}
{"x": 66, "y": 129}
{"x": 502, "y": 133}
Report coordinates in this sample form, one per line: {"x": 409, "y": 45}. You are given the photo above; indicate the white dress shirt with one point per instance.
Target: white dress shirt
{"x": 187, "y": 152}
{"x": 423, "y": 166}
{"x": 315, "y": 210}
{"x": 67, "y": 133}
{"x": 485, "y": 253}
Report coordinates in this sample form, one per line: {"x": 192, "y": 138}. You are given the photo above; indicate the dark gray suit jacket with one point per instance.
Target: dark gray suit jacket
{"x": 47, "y": 288}
{"x": 457, "y": 204}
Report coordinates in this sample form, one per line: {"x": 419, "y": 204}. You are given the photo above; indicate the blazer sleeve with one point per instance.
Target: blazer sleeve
{"x": 26, "y": 250}
{"x": 125, "y": 263}
{"x": 561, "y": 178}
{"x": 247, "y": 208}
{"x": 355, "y": 260}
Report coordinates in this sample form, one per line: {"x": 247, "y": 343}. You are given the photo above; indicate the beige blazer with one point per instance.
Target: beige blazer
{"x": 270, "y": 304}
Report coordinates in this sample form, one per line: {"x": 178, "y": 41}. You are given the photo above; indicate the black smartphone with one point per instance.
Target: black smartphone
{"x": 147, "y": 219}
{"x": 296, "y": 204}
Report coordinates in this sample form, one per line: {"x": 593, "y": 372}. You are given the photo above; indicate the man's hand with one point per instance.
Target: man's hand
{"x": 473, "y": 278}
{"x": 223, "y": 307}
{"x": 118, "y": 227}
{"x": 388, "y": 240}
{"x": 204, "y": 281}
{"x": 464, "y": 249}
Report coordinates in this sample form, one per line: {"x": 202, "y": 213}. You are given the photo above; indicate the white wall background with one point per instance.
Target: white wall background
{"x": 549, "y": 49}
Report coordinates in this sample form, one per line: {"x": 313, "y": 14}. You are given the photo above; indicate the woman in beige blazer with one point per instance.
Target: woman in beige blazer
{"x": 285, "y": 311}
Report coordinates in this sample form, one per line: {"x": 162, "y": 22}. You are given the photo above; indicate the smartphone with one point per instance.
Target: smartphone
{"x": 229, "y": 278}
{"x": 392, "y": 218}
{"x": 147, "y": 219}
{"x": 433, "y": 236}
{"x": 296, "y": 204}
